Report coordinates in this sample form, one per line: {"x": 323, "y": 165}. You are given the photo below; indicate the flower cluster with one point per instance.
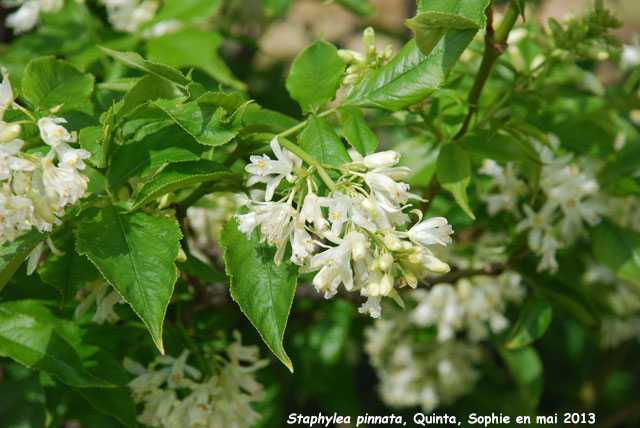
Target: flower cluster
{"x": 569, "y": 202}
{"x": 474, "y": 305}
{"x": 27, "y": 16}
{"x": 622, "y": 298}
{"x": 105, "y": 298}
{"x": 129, "y": 15}
{"x": 355, "y": 236}
{"x": 175, "y": 394}
{"x": 359, "y": 64}
{"x": 427, "y": 355}
{"x": 416, "y": 371}
{"x": 35, "y": 191}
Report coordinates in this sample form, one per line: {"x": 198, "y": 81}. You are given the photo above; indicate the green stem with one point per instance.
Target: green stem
{"x": 25, "y": 111}
{"x": 295, "y": 149}
{"x": 375, "y": 238}
{"x": 495, "y": 44}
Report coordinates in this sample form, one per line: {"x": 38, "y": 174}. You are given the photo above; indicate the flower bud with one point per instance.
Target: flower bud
{"x": 386, "y": 261}
{"x": 411, "y": 279}
{"x": 387, "y": 53}
{"x": 416, "y": 258}
{"x": 382, "y": 159}
{"x": 435, "y": 265}
{"x": 386, "y": 285}
{"x": 392, "y": 242}
{"x": 182, "y": 256}
{"x": 9, "y": 132}
{"x": 369, "y": 38}
{"x": 359, "y": 251}
{"x": 346, "y": 55}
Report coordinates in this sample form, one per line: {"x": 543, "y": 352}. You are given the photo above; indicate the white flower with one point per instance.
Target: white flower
{"x": 301, "y": 244}
{"x": 15, "y": 212}
{"x": 311, "y": 212}
{"x": 381, "y": 159}
{"x": 129, "y": 15}
{"x": 69, "y": 157}
{"x": 263, "y": 168}
{"x": 162, "y": 28}
{"x": 335, "y": 265}
{"x": 275, "y": 220}
{"x": 371, "y": 307}
{"x": 6, "y": 93}
{"x": 434, "y": 230}
{"x": 9, "y": 162}
{"x": 547, "y": 250}
{"x": 631, "y": 55}
{"x": 65, "y": 185}
{"x": 343, "y": 208}
{"x": 246, "y": 223}
{"x": 52, "y": 133}
{"x": 25, "y": 18}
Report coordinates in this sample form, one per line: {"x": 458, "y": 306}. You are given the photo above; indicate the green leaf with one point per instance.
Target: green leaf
{"x": 532, "y": 323}
{"x": 454, "y": 172}
{"x": 275, "y": 8}
{"x": 572, "y": 299}
{"x": 359, "y": 7}
{"x": 187, "y": 11}
{"x": 265, "y": 120}
{"x": 618, "y": 248}
{"x": 169, "y": 143}
{"x": 136, "y": 254}
{"x": 207, "y": 122}
{"x": 263, "y": 290}
{"x": 320, "y": 141}
{"x": 149, "y": 87}
{"x": 90, "y": 139}
{"x": 193, "y": 48}
{"x": 116, "y": 402}
{"x": 315, "y": 76}
{"x": 436, "y": 17}
{"x": 526, "y": 369}
{"x": 133, "y": 60}
{"x": 28, "y": 335}
{"x": 12, "y": 254}
{"x": 119, "y": 85}
{"x": 196, "y": 267}
{"x": 521, "y": 7}
{"x": 500, "y": 147}
{"x": 179, "y": 175}
{"x": 410, "y": 76}
{"x": 356, "y": 131}
{"x": 48, "y": 82}
{"x": 69, "y": 271}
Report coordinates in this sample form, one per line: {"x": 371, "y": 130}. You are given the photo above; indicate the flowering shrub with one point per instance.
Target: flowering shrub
{"x": 398, "y": 221}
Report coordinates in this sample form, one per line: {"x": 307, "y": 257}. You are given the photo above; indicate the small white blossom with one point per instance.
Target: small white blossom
{"x": 6, "y": 93}
{"x": 129, "y": 15}
{"x": 381, "y": 159}
{"x": 265, "y": 170}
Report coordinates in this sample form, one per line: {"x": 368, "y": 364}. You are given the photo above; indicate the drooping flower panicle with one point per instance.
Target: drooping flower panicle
{"x": 35, "y": 191}
{"x": 356, "y": 235}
